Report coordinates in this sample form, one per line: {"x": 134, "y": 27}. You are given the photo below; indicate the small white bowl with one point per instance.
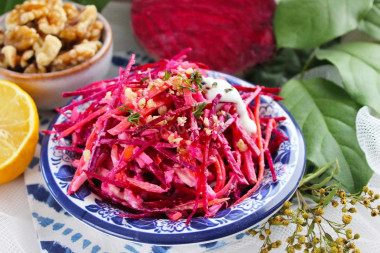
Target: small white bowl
{"x": 46, "y": 89}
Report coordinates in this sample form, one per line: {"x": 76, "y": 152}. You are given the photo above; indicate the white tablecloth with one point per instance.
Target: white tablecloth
{"x": 18, "y": 226}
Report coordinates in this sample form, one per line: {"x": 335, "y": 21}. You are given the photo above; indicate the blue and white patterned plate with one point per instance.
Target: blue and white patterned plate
{"x": 289, "y": 163}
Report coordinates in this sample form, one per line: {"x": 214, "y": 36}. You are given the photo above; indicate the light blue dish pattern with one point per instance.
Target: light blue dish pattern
{"x": 289, "y": 164}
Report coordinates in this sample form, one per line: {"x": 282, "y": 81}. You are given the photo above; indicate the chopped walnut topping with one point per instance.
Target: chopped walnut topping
{"x": 130, "y": 94}
{"x": 181, "y": 121}
{"x": 158, "y": 82}
{"x": 174, "y": 140}
{"x": 215, "y": 119}
{"x": 108, "y": 95}
{"x": 151, "y": 103}
{"x": 208, "y": 131}
{"x": 142, "y": 102}
{"x": 189, "y": 71}
{"x": 206, "y": 122}
{"x": 162, "y": 110}
{"x": 149, "y": 118}
{"x": 86, "y": 155}
{"x": 177, "y": 82}
{"x": 242, "y": 146}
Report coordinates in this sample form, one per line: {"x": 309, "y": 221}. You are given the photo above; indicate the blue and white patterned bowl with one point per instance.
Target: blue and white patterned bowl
{"x": 289, "y": 164}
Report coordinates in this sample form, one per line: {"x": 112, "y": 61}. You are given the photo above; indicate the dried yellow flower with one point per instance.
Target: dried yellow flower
{"x": 340, "y": 241}
{"x": 346, "y": 219}
{"x": 302, "y": 239}
{"x": 319, "y": 212}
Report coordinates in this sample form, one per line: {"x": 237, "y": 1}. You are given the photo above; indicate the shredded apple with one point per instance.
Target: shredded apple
{"x": 163, "y": 139}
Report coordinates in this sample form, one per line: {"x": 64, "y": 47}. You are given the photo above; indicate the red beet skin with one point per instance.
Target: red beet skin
{"x": 227, "y": 35}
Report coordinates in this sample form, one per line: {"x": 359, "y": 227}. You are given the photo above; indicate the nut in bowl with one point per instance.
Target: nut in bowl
{"x": 169, "y": 153}
{"x": 49, "y": 47}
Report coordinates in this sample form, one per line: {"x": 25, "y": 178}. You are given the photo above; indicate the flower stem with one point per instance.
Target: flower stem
{"x": 311, "y": 58}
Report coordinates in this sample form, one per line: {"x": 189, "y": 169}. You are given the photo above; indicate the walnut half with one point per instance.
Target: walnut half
{"x": 48, "y": 51}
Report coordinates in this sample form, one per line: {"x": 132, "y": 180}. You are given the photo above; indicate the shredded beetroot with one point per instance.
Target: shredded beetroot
{"x": 152, "y": 142}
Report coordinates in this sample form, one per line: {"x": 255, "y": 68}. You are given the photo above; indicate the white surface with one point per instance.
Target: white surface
{"x": 16, "y": 227}
{"x": 17, "y": 233}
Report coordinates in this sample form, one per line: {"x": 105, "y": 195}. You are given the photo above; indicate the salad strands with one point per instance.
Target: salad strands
{"x": 152, "y": 142}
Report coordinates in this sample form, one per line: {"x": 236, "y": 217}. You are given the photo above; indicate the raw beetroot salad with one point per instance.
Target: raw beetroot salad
{"x": 164, "y": 140}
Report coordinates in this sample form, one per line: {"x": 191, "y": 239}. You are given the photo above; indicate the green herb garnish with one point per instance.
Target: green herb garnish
{"x": 198, "y": 111}
{"x": 144, "y": 79}
{"x": 188, "y": 88}
{"x": 197, "y": 78}
{"x": 167, "y": 75}
{"x": 134, "y": 117}
{"x": 125, "y": 108}
{"x": 228, "y": 90}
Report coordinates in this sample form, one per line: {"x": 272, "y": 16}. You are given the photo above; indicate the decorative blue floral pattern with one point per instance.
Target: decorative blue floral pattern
{"x": 289, "y": 165}
{"x": 105, "y": 210}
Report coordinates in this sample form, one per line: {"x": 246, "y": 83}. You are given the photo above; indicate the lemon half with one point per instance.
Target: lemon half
{"x": 18, "y": 130}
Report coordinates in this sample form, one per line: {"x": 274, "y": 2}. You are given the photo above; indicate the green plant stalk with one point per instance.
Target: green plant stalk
{"x": 308, "y": 62}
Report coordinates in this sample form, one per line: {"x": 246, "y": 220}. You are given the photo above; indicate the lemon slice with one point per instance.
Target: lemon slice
{"x": 18, "y": 130}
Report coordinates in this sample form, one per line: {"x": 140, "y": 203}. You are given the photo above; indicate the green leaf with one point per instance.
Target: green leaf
{"x": 371, "y": 22}
{"x": 358, "y": 64}
{"x": 311, "y": 228}
{"x": 326, "y": 115}
{"x": 7, "y": 5}
{"x": 277, "y": 71}
{"x": 310, "y": 23}
{"x": 331, "y": 195}
{"x": 329, "y": 237}
{"x": 100, "y": 4}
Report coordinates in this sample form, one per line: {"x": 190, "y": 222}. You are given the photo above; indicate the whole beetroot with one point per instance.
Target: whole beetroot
{"x": 228, "y": 36}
